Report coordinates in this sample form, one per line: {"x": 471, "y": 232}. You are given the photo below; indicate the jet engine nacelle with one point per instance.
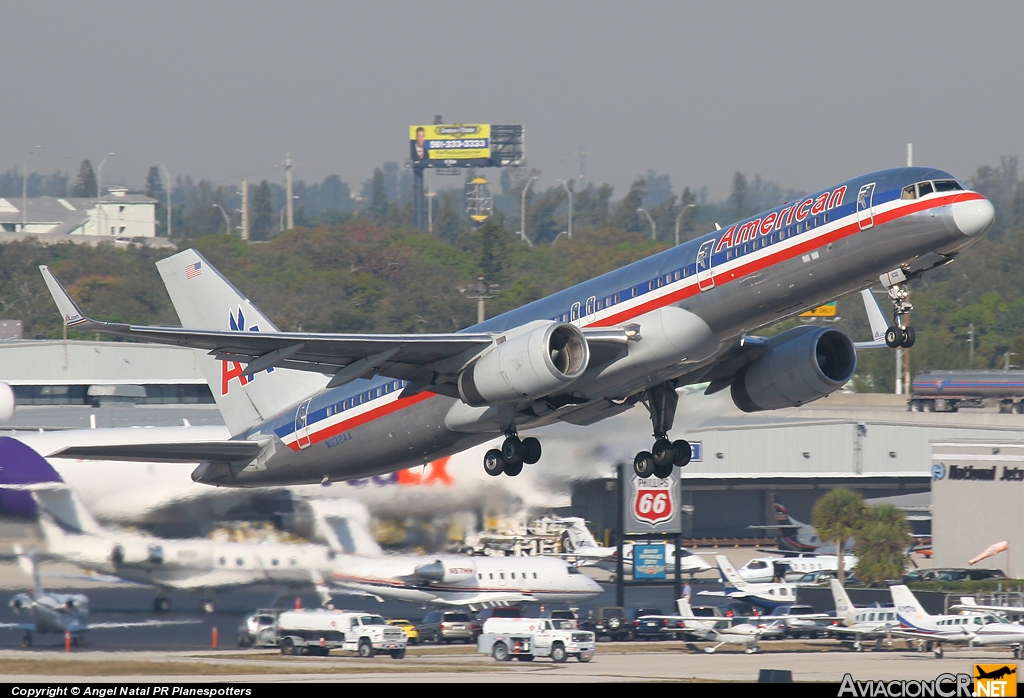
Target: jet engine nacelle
{"x": 530, "y": 365}
{"x": 801, "y": 365}
{"x": 20, "y": 602}
{"x": 447, "y": 572}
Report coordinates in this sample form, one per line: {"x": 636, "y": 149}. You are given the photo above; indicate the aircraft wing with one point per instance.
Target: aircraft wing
{"x": 933, "y": 637}
{"x": 486, "y": 599}
{"x": 31, "y": 627}
{"x": 993, "y": 609}
{"x": 412, "y": 357}
{"x": 139, "y": 624}
{"x": 183, "y": 452}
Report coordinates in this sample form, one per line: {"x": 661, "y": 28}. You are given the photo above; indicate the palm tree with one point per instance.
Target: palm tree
{"x": 837, "y": 516}
{"x": 882, "y": 544}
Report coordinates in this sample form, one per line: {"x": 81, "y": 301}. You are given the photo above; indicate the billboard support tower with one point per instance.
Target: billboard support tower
{"x": 417, "y": 197}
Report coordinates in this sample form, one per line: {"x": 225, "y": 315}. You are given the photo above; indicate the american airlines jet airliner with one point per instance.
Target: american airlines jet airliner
{"x": 306, "y": 408}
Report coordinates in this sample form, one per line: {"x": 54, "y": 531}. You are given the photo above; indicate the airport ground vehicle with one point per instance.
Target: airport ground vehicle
{"x": 607, "y": 621}
{"x": 411, "y": 632}
{"x": 319, "y": 631}
{"x": 948, "y": 391}
{"x": 259, "y": 629}
{"x": 526, "y": 638}
{"x": 446, "y": 626}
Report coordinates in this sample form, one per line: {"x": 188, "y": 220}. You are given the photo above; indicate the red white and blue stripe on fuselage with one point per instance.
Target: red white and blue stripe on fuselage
{"x": 792, "y": 230}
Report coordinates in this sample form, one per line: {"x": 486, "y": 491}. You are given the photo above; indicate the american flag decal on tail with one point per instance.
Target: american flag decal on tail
{"x": 193, "y": 270}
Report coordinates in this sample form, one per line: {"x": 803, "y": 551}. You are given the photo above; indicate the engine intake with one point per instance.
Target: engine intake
{"x": 802, "y": 365}
{"x": 528, "y": 366}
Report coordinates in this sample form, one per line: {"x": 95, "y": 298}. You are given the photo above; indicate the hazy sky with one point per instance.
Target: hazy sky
{"x": 804, "y": 93}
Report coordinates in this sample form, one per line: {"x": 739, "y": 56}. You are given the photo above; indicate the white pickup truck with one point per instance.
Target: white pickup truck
{"x": 319, "y": 631}
{"x": 526, "y": 638}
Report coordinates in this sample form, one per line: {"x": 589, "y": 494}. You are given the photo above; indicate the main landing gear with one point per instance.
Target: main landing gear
{"x": 898, "y": 334}
{"x": 513, "y": 454}
{"x": 661, "y": 401}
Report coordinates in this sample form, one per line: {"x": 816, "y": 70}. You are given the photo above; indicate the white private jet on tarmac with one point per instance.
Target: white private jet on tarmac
{"x": 860, "y": 624}
{"x": 969, "y": 628}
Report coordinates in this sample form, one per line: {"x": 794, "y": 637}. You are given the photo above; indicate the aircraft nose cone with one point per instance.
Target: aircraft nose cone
{"x": 973, "y": 217}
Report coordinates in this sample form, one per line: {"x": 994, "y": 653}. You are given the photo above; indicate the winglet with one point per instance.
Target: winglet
{"x": 877, "y": 321}
{"x": 69, "y": 310}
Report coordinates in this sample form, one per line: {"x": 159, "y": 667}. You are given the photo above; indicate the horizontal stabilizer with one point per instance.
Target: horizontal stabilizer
{"x": 185, "y": 452}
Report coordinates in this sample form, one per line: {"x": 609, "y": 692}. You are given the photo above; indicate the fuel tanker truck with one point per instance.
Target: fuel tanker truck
{"x": 948, "y": 391}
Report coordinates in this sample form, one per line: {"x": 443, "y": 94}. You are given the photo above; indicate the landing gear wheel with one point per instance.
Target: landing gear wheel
{"x": 512, "y": 450}
{"x": 909, "y": 337}
{"x": 513, "y": 469}
{"x": 893, "y": 337}
{"x": 161, "y": 604}
{"x": 531, "y": 450}
{"x": 494, "y": 464}
{"x": 938, "y": 652}
{"x": 663, "y": 471}
{"x": 683, "y": 452}
{"x": 643, "y": 465}
{"x": 663, "y": 453}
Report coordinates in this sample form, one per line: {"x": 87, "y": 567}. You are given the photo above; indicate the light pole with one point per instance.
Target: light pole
{"x": 522, "y": 213}
{"x": 430, "y": 210}
{"x": 568, "y": 192}
{"x": 167, "y": 178}
{"x": 24, "y": 187}
{"x": 99, "y": 194}
{"x": 481, "y": 291}
{"x": 654, "y": 228}
{"x": 688, "y": 207}
{"x": 227, "y": 221}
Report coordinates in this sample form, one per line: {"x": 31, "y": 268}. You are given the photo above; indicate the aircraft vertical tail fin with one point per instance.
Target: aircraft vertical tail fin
{"x": 876, "y": 319}
{"x": 729, "y": 574}
{"x": 844, "y": 607}
{"x": 344, "y": 525}
{"x": 25, "y": 470}
{"x": 204, "y": 299}
{"x": 908, "y": 609}
{"x": 27, "y": 563}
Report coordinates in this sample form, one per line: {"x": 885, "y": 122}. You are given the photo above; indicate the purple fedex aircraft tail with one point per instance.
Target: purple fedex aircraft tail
{"x": 28, "y": 481}
{"x": 20, "y": 465}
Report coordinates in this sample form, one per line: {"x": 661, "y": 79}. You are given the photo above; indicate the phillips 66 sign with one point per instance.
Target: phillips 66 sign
{"x": 652, "y": 504}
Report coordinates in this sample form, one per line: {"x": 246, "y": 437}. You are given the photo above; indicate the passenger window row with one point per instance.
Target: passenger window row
{"x": 366, "y": 396}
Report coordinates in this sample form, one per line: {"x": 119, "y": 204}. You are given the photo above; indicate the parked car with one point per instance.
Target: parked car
{"x": 815, "y": 578}
{"x": 446, "y": 626}
{"x": 798, "y": 627}
{"x": 952, "y": 575}
{"x": 607, "y": 621}
{"x": 740, "y": 609}
{"x": 410, "y": 630}
{"x": 652, "y": 624}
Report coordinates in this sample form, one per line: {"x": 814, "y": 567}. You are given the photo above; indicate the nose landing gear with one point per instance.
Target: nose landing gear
{"x": 660, "y": 402}
{"x": 898, "y": 335}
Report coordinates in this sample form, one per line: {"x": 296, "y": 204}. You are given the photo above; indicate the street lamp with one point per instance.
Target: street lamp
{"x": 481, "y": 291}
{"x": 227, "y": 221}
{"x": 99, "y": 194}
{"x": 167, "y": 178}
{"x": 654, "y": 228}
{"x": 568, "y": 191}
{"x": 24, "y": 187}
{"x": 522, "y": 213}
{"x": 688, "y": 207}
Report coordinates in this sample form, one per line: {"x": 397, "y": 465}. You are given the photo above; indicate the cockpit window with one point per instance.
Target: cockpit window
{"x": 909, "y": 192}
{"x": 947, "y": 185}
{"x": 924, "y": 188}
